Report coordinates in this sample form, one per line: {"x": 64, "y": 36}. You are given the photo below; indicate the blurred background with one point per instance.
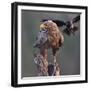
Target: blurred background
{"x": 68, "y": 55}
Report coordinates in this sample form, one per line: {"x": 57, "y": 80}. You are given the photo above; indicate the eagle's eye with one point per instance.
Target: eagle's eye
{"x": 46, "y": 24}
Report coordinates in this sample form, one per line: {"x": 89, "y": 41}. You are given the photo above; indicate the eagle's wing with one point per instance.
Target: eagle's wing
{"x": 41, "y": 38}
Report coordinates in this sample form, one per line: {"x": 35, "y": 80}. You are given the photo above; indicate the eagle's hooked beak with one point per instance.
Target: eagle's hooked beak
{"x": 42, "y": 27}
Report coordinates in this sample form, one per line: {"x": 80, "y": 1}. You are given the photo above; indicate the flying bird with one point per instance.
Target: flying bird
{"x": 70, "y": 28}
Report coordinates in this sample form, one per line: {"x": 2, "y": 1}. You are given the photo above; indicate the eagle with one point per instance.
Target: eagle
{"x": 49, "y": 37}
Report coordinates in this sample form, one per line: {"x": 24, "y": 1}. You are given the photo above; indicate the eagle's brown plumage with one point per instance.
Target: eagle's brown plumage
{"x": 55, "y": 37}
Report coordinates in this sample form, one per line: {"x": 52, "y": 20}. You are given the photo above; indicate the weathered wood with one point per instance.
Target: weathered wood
{"x": 45, "y": 69}
{"x": 42, "y": 65}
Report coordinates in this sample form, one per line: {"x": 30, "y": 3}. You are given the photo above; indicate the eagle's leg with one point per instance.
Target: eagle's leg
{"x": 54, "y": 58}
{"x": 54, "y": 55}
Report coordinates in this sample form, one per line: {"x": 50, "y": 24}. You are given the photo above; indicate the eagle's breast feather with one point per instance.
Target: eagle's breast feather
{"x": 55, "y": 36}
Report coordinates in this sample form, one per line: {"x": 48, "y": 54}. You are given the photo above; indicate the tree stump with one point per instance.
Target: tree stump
{"x": 45, "y": 69}
{"x": 42, "y": 65}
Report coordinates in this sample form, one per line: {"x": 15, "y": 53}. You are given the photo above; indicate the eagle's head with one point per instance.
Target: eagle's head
{"x": 48, "y": 25}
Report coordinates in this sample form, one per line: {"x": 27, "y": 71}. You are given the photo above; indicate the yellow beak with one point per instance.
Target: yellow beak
{"x": 42, "y": 26}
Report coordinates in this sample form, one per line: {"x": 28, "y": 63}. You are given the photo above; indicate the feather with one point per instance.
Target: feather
{"x": 76, "y": 19}
{"x": 41, "y": 38}
{"x": 59, "y": 23}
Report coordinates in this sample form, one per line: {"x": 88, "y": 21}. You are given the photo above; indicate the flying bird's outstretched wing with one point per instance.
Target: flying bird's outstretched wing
{"x": 76, "y": 19}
